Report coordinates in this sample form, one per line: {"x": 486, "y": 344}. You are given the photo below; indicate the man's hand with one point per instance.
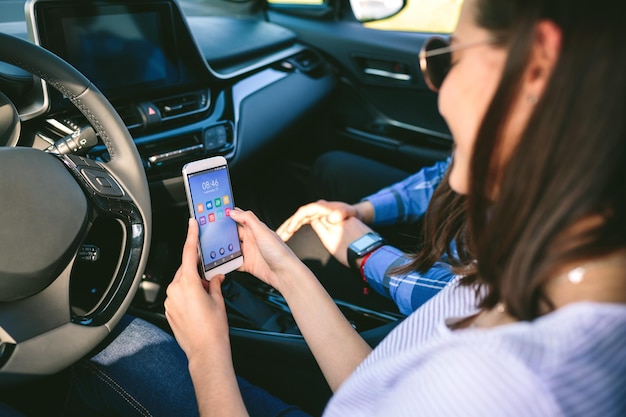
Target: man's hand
{"x": 337, "y": 236}
{"x": 330, "y": 212}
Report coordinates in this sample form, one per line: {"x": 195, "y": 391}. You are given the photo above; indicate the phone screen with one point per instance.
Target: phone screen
{"x": 212, "y": 200}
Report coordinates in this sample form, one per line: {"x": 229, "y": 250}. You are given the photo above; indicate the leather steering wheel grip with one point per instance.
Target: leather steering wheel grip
{"x": 39, "y": 335}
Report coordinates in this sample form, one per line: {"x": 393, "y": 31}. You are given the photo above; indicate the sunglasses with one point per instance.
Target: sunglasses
{"x": 436, "y": 59}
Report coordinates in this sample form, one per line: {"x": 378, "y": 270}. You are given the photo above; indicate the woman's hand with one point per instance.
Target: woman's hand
{"x": 265, "y": 255}
{"x": 331, "y": 212}
{"x": 195, "y": 307}
{"x": 336, "y": 345}
{"x": 196, "y": 312}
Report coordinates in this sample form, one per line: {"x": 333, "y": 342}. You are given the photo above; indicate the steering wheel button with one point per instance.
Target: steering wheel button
{"x": 101, "y": 182}
{"x": 84, "y": 161}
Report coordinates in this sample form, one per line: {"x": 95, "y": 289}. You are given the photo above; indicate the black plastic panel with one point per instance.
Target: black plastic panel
{"x": 225, "y": 41}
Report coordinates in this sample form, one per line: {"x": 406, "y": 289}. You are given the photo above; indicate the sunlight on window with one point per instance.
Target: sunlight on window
{"x": 439, "y": 16}
{"x": 436, "y": 16}
{"x": 303, "y": 2}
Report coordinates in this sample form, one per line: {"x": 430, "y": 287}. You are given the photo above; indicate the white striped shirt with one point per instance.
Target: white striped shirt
{"x": 571, "y": 362}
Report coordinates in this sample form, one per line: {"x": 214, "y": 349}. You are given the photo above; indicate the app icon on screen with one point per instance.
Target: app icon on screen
{"x": 226, "y": 200}
{"x": 200, "y": 208}
{"x": 218, "y": 202}
{"x": 202, "y": 220}
{"x": 209, "y": 205}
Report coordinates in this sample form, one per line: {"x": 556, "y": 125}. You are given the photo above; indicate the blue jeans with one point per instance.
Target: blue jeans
{"x": 143, "y": 372}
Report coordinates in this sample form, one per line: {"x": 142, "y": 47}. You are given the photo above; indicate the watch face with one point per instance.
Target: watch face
{"x": 365, "y": 242}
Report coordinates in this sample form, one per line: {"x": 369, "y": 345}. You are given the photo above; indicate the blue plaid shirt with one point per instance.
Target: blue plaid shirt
{"x": 406, "y": 202}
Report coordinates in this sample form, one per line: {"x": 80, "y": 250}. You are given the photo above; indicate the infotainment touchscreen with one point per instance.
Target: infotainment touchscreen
{"x": 118, "y": 50}
{"x": 124, "y": 48}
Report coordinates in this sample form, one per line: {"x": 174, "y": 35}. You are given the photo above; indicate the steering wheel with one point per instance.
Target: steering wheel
{"x": 48, "y": 206}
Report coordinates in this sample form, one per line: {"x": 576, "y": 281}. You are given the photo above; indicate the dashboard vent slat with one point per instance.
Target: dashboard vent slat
{"x": 183, "y": 105}
{"x": 130, "y": 115}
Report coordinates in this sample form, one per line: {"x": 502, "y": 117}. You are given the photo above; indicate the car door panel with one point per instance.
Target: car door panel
{"x": 382, "y": 106}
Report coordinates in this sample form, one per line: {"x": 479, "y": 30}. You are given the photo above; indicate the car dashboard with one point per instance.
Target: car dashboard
{"x": 185, "y": 87}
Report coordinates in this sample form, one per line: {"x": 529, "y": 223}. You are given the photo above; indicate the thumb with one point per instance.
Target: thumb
{"x": 215, "y": 285}
{"x": 190, "y": 248}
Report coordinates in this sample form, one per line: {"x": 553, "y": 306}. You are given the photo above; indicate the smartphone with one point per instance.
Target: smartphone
{"x": 210, "y": 198}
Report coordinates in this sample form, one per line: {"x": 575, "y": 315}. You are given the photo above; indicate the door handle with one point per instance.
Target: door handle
{"x": 388, "y": 74}
{"x": 393, "y": 70}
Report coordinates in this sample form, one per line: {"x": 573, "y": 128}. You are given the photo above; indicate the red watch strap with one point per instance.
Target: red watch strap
{"x": 365, "y": 258}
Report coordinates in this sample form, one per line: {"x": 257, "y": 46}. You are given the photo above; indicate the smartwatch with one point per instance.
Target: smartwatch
{"x": 362, "y": 246}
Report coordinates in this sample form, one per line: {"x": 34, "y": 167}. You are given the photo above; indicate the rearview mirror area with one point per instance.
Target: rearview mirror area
{"x": 370, "y": 10}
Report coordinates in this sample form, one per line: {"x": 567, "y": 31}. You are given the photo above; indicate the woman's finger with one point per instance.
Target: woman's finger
{"x": 214, "y": 286}
{"x": 190, "y": 248}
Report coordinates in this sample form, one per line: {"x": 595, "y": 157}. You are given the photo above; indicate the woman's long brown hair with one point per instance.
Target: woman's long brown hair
{"x": 569, "y": 164}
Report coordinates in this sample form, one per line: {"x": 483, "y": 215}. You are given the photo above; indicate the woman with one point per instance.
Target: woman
{"x": 534, "y": 97}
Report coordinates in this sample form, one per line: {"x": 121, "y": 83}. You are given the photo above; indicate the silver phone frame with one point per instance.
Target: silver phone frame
{"x": 193, "y": 168}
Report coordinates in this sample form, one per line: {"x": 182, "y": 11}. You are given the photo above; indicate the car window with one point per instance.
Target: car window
{"x": 437, "y": 16}
{"x": 303, "y": 2}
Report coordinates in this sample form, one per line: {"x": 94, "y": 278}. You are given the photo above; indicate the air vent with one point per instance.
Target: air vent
{"x": 305, "y": 61}
{"x": 130, "y": 115}
{"x": 183, "y": 105}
